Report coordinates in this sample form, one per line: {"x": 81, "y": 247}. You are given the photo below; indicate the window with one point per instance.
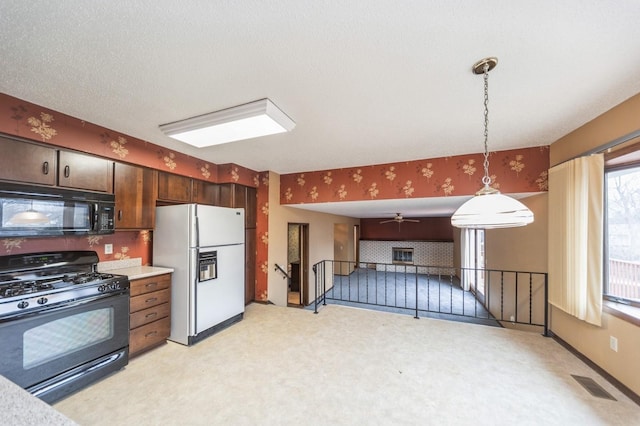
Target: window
{"x": 473, "y": 261}
{"x": 622, "y": 234}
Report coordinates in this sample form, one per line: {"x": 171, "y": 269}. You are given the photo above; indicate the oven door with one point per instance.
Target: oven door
{"x": 56, "y": 352}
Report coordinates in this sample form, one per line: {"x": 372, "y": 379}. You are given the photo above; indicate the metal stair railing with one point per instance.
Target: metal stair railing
{"x": 517, "y": 297}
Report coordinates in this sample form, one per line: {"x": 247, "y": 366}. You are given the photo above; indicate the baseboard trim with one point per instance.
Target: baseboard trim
{"x": 615, "y": 382}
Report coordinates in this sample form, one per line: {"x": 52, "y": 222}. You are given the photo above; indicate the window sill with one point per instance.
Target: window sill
{"x": 625, "y": 312}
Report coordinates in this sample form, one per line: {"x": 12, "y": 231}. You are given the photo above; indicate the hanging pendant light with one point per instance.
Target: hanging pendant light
{"x": 29, "y": 217}
{"x": 490, "y": 209}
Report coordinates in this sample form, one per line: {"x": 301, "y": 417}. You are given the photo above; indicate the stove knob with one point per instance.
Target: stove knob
{"x": 102, "y": 289}
{"x": 42, "y": 300}
{"x": 23, "y": 304}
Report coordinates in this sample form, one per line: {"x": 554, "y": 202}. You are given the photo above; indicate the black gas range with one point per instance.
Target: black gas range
{"x": 42, "y": 281}
{"x": 63, "y": 324}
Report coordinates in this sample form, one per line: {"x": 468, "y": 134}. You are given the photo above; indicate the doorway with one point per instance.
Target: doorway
{"x": 298, "y": 264}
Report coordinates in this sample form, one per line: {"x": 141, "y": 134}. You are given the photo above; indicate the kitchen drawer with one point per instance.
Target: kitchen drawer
{"x": 148, "y": 300}
{"x": 146, "y": 316}
{"x": 147, "y": 285}
{"x": 149, "y": 335}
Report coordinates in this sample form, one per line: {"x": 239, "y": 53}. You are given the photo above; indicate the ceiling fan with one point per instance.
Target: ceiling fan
{"x": 399, "y": 219}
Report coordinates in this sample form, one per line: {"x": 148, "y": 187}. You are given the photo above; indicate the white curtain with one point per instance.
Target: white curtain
{"x": 467, "y": 249}
{"x": 576, "y": 237}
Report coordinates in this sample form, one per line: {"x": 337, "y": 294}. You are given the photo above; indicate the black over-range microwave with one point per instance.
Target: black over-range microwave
{"x": 34, "y": 211}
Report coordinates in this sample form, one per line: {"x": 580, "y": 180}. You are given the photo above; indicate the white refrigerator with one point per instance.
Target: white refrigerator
{"x": 205, "y": 247}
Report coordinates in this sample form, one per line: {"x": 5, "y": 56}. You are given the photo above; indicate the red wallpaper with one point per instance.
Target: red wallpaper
{"x": 29, "y": 121}
{"x": 522, "y": 170}
{"x": 519, "y": 170}
{"x": 262, "y": 235}
{"x": 126, "y": 245}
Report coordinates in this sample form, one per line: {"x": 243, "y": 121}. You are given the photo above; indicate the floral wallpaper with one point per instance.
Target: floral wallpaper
{"x": 30, "y": 121}
{"x": 262, "y": 237}
{"x": 126, "y": 245}
{"x": 520, "y": 170}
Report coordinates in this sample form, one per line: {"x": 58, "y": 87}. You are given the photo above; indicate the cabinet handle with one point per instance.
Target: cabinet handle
{"x": 119, "y": 214}
{"x": 151, "y": 314}
{"x": 151, "y": 333}
{"x": 151, "y": 299}
{"x": 67, "y": 171}
{"x": 149, "y": 285}
{"x": 45, "y": 168}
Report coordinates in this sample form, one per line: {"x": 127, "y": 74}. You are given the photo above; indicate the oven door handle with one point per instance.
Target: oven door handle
{"x": 76, "y": 373}
{"x": 59, "y": 306}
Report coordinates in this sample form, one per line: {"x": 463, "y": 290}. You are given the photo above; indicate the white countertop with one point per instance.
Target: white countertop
{"x": 132, "y": 268}
{"x": 18, "y": 407}
{"x": 137, "y": 272}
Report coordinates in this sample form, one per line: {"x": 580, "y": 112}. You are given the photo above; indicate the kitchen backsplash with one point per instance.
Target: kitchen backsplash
{"x": 125, "y": 245}
{"x": 119, "y": 264}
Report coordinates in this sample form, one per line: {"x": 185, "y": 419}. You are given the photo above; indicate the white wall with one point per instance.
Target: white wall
{"x": 321, "y": 240}
{"x": 424, "y": 252}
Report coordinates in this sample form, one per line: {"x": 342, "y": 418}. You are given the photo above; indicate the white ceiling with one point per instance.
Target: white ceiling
{"x": 367, "y": 82}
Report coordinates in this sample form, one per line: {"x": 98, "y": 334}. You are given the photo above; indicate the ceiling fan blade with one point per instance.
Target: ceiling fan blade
{"x": 411, "y": 220}
{"x": 387, "y": 221}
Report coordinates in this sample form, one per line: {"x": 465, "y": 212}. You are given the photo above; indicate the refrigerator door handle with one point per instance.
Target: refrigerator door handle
{"x": 196, "y": 279}
{"x": 197, "y": 232}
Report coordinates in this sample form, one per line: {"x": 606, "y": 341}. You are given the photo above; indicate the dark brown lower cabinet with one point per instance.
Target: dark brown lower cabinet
{"x": 150, "y": 313}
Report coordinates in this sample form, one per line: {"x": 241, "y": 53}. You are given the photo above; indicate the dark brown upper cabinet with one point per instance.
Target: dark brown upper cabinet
{"x": 27, "y": 162}
{"x": 84, "y": 171}
{"x": 174, "y": 188}
{"x": 205, "y": 192}
{"x": 135, "y": 191}
{"x": 234, "y": 195}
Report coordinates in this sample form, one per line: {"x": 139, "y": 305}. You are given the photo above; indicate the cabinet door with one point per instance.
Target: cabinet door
{"x": 234, "y": 195}
{"x": 135, "y": 193}
{"x": 250, "y": 265}
{"x": 251, "y": 208}
{"x": 227, "y": 195}
{"x": 205, "y": 193}
{"x": 174, "y": 188}
{"x": 27, "y": 162}
{"x": 83, "y": 171}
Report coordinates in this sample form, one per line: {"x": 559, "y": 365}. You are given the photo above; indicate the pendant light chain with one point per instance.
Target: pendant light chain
{"x": 486, "y": 180}
{"x": 489, "y": 209}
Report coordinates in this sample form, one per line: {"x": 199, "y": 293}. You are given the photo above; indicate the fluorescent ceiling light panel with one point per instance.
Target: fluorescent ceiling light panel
{"x": 259, "y": 118}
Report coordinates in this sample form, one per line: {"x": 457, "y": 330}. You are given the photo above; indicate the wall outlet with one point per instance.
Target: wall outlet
{"x": 613, "y": 343}
{"x": 108, "y": 248}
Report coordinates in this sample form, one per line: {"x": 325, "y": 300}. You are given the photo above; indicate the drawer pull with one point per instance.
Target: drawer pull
{"x": 151, "y": 333}
{"x": 151, "y": 314}
{"x": 149, "y": 285}
{"x": 45, "y": 168}
{"x": 67, "y": 171}
{"x": 151, "y": 299}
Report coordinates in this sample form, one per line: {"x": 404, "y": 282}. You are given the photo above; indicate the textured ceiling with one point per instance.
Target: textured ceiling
{"x": 367, "y": 82}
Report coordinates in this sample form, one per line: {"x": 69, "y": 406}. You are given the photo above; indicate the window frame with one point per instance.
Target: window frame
{"x": 628, "y": 159}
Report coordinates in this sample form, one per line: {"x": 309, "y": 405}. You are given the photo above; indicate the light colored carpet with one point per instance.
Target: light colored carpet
{"x": 282, "y": 366}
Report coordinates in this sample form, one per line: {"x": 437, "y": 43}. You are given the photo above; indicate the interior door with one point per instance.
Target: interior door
{"x": 298, "y": 260}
